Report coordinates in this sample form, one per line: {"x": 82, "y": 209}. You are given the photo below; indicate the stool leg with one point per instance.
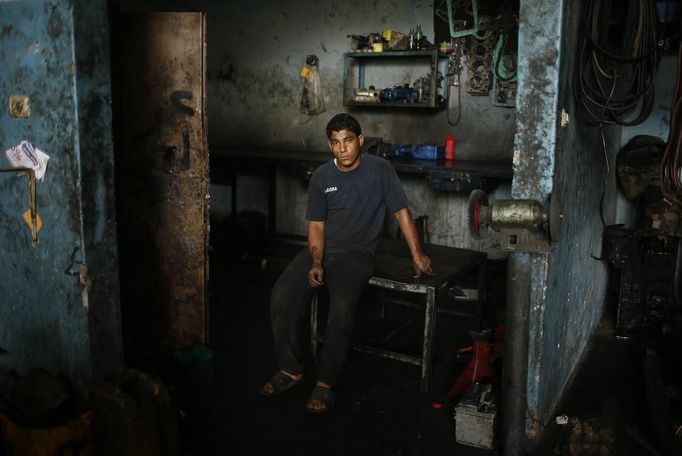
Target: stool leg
{"x": 381, "y": 301}
{"x": 313, "y": 327}
{"x": 429, "y": 326}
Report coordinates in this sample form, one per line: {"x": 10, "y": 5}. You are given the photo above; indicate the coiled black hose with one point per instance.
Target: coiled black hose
{"x": 617, "y": 86}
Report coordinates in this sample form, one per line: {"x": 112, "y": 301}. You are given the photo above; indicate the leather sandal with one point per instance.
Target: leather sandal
{"x": 323, "y": 395}
{"x": 280, "y": 382}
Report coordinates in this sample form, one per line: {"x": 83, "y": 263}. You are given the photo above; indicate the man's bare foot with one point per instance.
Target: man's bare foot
{"x": 280, "y": 382}
{"x": 322, "y": 398}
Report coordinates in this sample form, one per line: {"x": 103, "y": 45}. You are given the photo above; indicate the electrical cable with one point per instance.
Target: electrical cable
{"x": 606, "y": 158}
{"x": 606, "y": 176}
{"x": 630, "y": 73}
{"x": 500, "y": 70}
{"x": 670, "y": 179}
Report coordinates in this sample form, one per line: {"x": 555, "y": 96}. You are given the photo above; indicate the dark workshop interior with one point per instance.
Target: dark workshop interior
{"x": 154, "y": 186}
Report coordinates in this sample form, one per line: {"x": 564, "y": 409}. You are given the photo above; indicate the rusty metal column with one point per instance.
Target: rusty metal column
{"x": 534, "y": 161}
{"x": 515, "y": 371}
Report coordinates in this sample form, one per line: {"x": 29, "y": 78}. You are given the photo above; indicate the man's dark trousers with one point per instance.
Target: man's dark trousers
{"x": 345, "y": 275}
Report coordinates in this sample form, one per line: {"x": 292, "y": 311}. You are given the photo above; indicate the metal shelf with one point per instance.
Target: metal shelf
{"x": 375, "y": 55}
{"x": 362, "y": 57}
{"x": 395, "y": 105}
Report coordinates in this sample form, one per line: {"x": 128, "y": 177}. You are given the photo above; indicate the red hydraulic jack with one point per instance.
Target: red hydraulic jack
{"x": 480, "y": 368}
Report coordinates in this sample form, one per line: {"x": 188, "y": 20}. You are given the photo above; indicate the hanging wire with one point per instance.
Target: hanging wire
{"x": 606, "y": 158}
{"x": 631, "y": 72}
{"x": 501, "y": 71}
{"x": 671, "y": 182}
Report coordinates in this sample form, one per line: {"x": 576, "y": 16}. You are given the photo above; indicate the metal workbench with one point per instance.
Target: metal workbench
{"x": 457, "y": 176}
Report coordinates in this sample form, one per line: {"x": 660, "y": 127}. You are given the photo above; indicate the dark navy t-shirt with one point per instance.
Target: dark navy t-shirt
{"x": 353, "y": 204}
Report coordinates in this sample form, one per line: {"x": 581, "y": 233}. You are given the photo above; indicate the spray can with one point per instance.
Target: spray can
{"x": 450, "y": 147}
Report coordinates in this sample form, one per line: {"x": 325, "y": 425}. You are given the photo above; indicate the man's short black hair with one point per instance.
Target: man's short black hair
{"x": 343, "y": 121}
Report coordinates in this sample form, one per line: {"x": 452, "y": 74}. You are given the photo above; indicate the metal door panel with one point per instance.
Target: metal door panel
{"x": 162, "y": 175}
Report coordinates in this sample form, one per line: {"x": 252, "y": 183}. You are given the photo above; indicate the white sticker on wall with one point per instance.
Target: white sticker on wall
{"x": 25, "y": 155}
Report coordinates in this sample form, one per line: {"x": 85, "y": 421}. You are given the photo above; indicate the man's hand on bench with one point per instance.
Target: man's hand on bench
{"x": 422, "y": 265}
{"x": 420, "y": 262}
{"x": 316, "y": 276}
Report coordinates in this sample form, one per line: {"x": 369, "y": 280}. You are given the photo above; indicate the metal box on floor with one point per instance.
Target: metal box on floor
{"x": 475, "y": 417}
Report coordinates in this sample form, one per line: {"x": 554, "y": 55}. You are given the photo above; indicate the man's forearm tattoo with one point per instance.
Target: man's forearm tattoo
{"x": 316, "y": 254}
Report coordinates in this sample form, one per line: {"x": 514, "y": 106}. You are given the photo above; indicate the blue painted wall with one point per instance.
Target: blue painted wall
{"x": 59, "y": 304}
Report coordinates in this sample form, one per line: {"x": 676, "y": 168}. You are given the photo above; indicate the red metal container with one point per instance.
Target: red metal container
{"x": 450, "y": 147}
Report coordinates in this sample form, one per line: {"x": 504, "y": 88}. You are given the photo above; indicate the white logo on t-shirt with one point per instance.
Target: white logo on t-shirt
{"x": 330, "y": 189}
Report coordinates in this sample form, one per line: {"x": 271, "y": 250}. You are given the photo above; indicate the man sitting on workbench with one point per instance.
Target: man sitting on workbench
{"x": 347, "y": 202}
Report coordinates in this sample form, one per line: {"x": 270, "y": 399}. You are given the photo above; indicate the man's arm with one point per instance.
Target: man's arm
{"x": 316, "y": 250}
{"x": 420, "y": 262}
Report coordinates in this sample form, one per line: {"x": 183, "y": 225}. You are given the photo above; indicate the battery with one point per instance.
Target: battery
{"x": 475, "y": 417}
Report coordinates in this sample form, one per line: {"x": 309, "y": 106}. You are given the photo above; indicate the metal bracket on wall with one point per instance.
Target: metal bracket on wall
{"x": 515, "y": 225}
{"x": 454, "y": 181}
{"x": 34, "y": 221}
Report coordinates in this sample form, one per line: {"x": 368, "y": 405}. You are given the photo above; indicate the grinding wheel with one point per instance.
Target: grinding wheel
{"x": 477, "y": 199}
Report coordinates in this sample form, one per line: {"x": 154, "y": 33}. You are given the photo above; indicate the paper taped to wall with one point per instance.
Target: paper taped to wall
{"x": 25, "y": 155}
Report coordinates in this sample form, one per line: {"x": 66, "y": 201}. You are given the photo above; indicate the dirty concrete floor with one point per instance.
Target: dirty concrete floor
{"x": 380, "y": 410}
{"x": 604, "y": 405}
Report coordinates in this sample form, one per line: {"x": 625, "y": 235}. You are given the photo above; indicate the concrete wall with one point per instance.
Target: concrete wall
{"x": 59, "y": 300}
{"x": 255, "y": 53}
{"x": 658, "y": 123}
{"x": 254, "y": 91}
{"x": 447, "y": 223}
